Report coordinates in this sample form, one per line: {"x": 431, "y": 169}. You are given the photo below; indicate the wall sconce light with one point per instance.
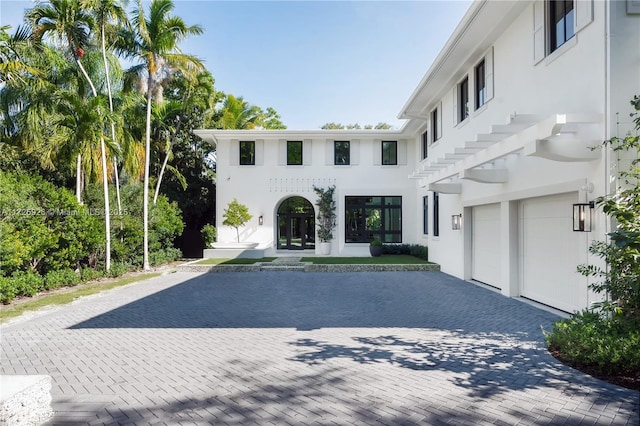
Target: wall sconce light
{"x": 456, "y": 221}
{"x": 582, "y": 216}
{"x": 260, "y": 220}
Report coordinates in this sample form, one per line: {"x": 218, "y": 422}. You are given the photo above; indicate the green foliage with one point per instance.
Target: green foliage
{"x": 61, "y": 278}
{"x": 621, "y": 279}
{"x": 415, "y": 250}
{"x": 326, "y": 212}
{"x": 8, "y": 290}
{"x": 236, "y": 215}
{"x": 209, "y": 234}
{"x": 375, "y": 243}
{"x": 27, "y": 283}
{"x": 90, "y": 274}
{"x": 590, "y": 340}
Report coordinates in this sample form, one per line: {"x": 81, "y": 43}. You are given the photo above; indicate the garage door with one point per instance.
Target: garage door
{"x": 549, "y": 252}
{"x": 485, "y": 244}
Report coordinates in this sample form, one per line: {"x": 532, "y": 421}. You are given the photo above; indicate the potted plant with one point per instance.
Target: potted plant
{"x": 375, "y": 248}
{"x": 326, "y": 217}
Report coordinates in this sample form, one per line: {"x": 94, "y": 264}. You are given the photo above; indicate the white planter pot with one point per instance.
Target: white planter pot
{"x": 325, "y": 248}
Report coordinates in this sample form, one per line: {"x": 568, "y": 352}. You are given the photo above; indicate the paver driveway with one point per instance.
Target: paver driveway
{"x": 395, "y": 348}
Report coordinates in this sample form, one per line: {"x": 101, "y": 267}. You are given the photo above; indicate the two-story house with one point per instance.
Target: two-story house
{"x": 493, "y": 169}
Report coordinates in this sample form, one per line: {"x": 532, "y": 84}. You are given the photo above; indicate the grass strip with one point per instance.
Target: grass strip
{"x": 233, "y": 261}
{"x": 385, "y": 259}
{"x": 64, "y": 297}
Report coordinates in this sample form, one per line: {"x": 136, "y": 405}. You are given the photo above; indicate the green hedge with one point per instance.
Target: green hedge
{"x": 415, "y": 250}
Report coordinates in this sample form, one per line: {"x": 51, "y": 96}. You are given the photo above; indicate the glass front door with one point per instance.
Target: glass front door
{"x": 296, "y": 225}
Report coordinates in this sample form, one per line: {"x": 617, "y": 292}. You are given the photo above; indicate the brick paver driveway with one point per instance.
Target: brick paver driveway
{"x": 393, "y": 348}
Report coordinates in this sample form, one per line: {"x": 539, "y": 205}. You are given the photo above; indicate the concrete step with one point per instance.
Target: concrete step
{"x": 25, "y": 400}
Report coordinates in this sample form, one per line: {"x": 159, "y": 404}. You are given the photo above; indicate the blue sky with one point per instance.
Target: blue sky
{"x": 314, "y": 61}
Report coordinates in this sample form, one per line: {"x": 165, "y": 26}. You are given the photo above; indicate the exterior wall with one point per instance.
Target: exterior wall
{"x": 265, "y": 186}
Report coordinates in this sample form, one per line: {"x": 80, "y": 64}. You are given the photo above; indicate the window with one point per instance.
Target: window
{"x": 480, "y": 85}
{"x": 341, "y": 153}
{"x": 389, "y": 153}
{"x": 247, "y": 153}
{"x": 425, "y": 215}
{"x": 425, "y": 145}
{"x": 372, "y": 217}
{"x": 294, "y": 153}
{"x": 561, "y": 23}
{"x": 435, "y": 125}
{"x": 436, "y": 214}
{"x": 463, "y": 99}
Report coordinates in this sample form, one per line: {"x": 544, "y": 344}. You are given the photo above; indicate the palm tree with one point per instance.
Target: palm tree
{"x": 239, "y": 114}
{"x": 153, "y": 41}
{"x": 68, "y": 22}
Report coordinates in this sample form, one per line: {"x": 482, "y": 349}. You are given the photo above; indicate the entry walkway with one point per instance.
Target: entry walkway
{"x": 304, "y": 348}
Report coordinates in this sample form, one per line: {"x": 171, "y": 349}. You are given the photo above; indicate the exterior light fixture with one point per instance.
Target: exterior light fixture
{"x": 260, "y": 220}
{"x": 456, "y": 221}
{"x": 582, "y": 216}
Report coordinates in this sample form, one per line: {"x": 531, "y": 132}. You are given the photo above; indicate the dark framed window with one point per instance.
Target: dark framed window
{"x": 463, "y": 99}
{"x": 480, "y": 85}
{"x": 425, "y": 145}
{"x": 435, "y": 134}
{"x": 294, "y": 153}
{"x": 247, "y": 153}
{"x": 561, "y": 23}
{"x": 370, "y": 218}
{"x": 389, "y": 153}
{"x": 425, "y": 215}
{"x": 436, "y": 214}
{"x": 341, "y": 153}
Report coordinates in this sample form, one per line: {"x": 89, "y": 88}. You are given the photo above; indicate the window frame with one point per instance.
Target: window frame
{"x": 463, "y": 99}
{"x": 290, "y": 147}
{"x": 480, "y": 84}
{"x": 552, "y": 32}
{"x": 347, "y": 161}
{"x": 435, "y": 135}
{"x": 386, "y": 160}
{"x": 425, "y": 215}
{"x": 436, "y": 214}
{"x": 356, "y": 210}
{"x": 425, "y": 145}
{"x": 252, "y": 153}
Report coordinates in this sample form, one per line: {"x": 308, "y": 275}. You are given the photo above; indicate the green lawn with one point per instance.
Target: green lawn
{"x": 385, "y": 259}
{"x": 67, "y": 296}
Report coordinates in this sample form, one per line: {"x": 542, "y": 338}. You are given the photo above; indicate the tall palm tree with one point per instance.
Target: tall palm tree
{"x": 68, "y": 22}
{"x": 153, "y": 41}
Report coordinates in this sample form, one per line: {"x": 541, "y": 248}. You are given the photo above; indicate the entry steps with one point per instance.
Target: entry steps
{"x": 285, "y": 264}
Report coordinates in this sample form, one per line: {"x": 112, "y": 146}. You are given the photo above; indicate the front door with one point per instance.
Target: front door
{"x": 296, "y": 225}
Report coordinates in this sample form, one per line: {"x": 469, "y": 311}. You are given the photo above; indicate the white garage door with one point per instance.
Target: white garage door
{"x": 549, "y": 252}
{"x": 485, "y": 244}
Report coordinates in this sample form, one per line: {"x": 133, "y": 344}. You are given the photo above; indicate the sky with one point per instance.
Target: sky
{"x": 313, "y": 61}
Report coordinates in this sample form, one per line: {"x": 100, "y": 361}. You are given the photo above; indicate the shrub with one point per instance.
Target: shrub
{"x": 415, "y": 250}
{"x": 592, "y": 340}
{"x": 27, "y": 283}
{"x": 8, "y": 290}
{"x": 90, "y": 274}
{"x": 209, "y": 235}
{"x": 120, "y": 268}
{"x": 61, "y": 278}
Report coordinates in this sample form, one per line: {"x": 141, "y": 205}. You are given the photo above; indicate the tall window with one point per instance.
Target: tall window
{"x": 435, "y": 125}
{"x": 425, "y": 145}
{"x": 480, "y": 85}
{"x": 341, "y": 153}
{"x": 436, "y": 214}
{"x": 247, "y": 153}
{"x": 463, "y": 99}
{"x": 294, "y": 153}
{"x": 372, "y": 217}
{"x": 561, "y": 23}
{"x": 425, "y": 215}
{"x": 389, "y": 153}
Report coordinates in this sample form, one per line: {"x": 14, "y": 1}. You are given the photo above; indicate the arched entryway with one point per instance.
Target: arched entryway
{"x": 296, "y": 225}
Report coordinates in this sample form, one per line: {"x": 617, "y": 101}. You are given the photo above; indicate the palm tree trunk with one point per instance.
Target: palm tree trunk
{"x": 79, "y": 179}
{"x": 145, "y": 196}
{"x": 164, "y": 163}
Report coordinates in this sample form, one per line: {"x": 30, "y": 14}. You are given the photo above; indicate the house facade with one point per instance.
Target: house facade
{"x": 491, "y": 166}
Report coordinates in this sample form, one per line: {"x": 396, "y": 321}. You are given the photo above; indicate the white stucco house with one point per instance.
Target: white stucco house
{"x": 493, "y": 156}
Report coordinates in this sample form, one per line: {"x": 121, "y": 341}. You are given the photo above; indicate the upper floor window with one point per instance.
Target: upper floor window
{"x": 425, "y": 145}
{"x": 561, "y": 23}
{"x": 294, "y": 153}
{"x": 389, "y": 153}
{"x": 435, "y": 125}
{"x": 480, "y": 85}
{"x": 463, "y": 99}
{"x": 341, "y": 153}
{"x": 247, "y": 153}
